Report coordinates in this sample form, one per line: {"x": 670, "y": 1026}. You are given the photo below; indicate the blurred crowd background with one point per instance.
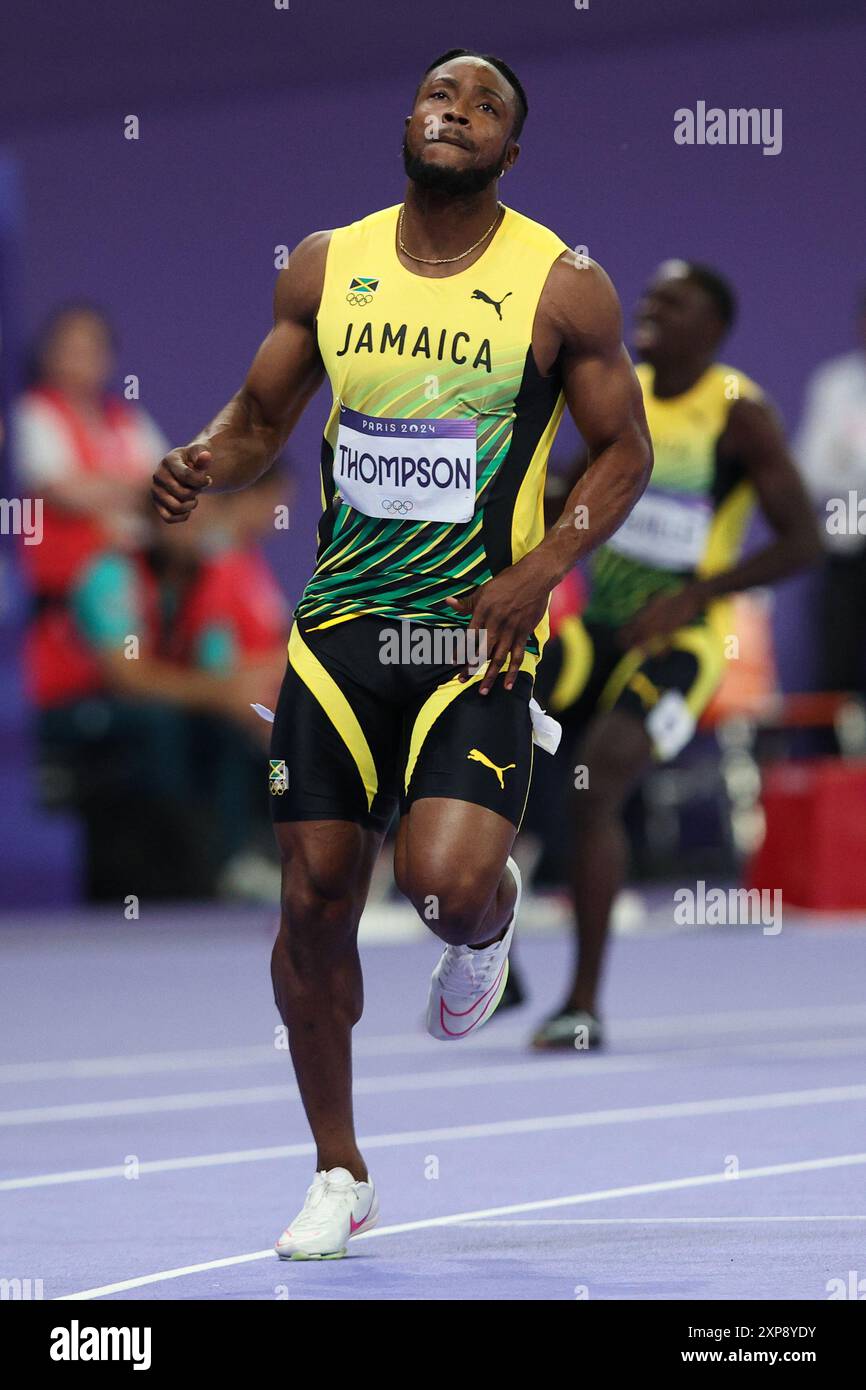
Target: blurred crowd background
{"x": 156, "y": 165}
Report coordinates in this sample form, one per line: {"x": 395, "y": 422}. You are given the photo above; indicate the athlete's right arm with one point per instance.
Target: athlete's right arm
{"x": 242, "y": 441}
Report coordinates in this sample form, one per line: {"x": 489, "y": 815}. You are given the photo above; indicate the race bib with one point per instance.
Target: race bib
{"x": 665, "y": 529}
{"x": 406, "y": 470}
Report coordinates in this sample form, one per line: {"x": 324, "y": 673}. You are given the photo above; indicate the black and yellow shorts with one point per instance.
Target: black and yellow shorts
{"x": 356, "y": 736}
{"x": 666, "y": 684}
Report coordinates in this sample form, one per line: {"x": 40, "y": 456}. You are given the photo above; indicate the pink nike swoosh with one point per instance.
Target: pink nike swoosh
{"x": 457, "y": 1013}
{"x": 488, "y": 996}
{"x": 356, "y": 1225}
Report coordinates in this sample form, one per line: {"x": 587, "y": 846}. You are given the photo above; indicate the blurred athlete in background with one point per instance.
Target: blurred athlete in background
{"x": 651, "y": 648}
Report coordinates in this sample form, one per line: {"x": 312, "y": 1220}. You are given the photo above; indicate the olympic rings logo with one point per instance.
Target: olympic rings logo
{"x": 356, "y": 299}
{"x": 396, "y": 506}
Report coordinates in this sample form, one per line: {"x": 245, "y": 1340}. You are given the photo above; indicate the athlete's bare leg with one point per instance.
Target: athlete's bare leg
{"x": 449, "y": 860}
{"x": 616, "y": 752}
{"x": 316, "y": 972}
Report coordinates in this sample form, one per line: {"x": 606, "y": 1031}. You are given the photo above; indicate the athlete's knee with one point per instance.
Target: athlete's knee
{"x": 306, "y": 908}
{"x": 322, "y": 874}
{"x": 450, "y": 901}
{"x": 318, "y": 927}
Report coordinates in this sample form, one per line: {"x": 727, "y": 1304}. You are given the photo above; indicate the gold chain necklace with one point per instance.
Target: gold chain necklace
{"x": 444, "y": 260}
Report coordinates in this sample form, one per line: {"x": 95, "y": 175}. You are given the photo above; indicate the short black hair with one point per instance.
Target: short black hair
{"x": 719, "y": 290}
{"x": 497, "y": 63}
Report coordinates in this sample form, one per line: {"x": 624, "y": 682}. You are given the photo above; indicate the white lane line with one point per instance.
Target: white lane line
{"x": 738, "y": 1020}
{"x": 661, "y": 1220}
{"x": 770, "y": 1170}
{"x": 531, "y": 1070}
{"x": 148, "y": 1105}
{"x": 194, "y": 1059}
{"x": 136, "y": 1064}
{"x": 441, "y": 1079}
{"x": 540, "y": 1124}
{"x": 388, "y": 1045}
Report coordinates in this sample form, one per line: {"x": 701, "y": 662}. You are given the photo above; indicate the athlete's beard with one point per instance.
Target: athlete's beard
{"x": 455, "y": 183}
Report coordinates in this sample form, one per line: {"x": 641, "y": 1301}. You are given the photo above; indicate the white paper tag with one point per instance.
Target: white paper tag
{"x": 406, "y": 470}
{"x": 546, "y": 731}
{"x": 670, "y": 725}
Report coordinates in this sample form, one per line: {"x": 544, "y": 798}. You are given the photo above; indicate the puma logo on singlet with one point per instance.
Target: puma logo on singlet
{"x": 497, "y": 303}
{"x": 476, "y": 756}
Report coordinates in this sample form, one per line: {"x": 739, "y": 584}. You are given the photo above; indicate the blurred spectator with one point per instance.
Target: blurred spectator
{"x": 831, "y": 450}
{"x": 241, "y": 619}
{"x": 87, "y": 453}
{"x": 239, "y": 610}
{"x": 143, "y": 682}
{"x": 147, "y": 642}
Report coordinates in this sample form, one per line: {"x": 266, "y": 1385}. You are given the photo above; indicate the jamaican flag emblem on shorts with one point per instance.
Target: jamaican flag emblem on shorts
{"x": 362, "y": 289}
{"x": 278, "y": 776}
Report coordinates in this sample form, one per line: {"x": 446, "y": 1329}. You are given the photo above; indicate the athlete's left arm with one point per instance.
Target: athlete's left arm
{"x": 577, "y": 331}
{"x": 754, "y": 436}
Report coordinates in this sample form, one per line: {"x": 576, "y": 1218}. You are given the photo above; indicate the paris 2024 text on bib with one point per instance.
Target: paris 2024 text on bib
{"x": 406, "y": 470}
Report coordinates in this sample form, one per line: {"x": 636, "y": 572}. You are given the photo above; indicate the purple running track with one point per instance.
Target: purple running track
{"x": 715, "y": 1149}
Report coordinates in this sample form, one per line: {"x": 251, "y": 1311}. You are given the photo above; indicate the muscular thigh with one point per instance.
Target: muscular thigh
{"x": 336, "y": 738}
{"x": 442, "y": 841}
{"x": 466, "y": 747}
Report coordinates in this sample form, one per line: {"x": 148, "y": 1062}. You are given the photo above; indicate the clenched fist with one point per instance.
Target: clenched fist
{"x": 178, "y": 481}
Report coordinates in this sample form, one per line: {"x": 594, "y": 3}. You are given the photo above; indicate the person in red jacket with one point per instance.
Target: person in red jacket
{"x": 142, "y": 680}
{"x": 83, "y": 450}
{"x": 239, "y": 611}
